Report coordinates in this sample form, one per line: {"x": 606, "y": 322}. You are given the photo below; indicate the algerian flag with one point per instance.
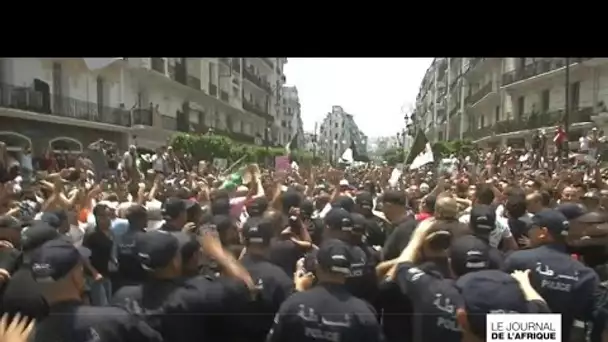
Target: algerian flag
{"x": 292, "y": 145}
{"x": 420, "y": 153}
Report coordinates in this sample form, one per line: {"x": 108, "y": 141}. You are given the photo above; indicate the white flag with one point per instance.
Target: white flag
{"x": 423, "y": 158}
{"x": 347, "y": 157}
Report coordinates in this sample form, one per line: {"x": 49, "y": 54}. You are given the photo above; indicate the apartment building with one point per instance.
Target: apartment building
{"x": 336, "y": 133}
{"x": 291, "y": 119}
{"x": 66, "y": 103}
{"x": 505, "y": 100}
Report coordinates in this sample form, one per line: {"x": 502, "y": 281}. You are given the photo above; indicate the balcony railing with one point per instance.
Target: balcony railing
{"x": 535, "y": 69}
{"x": 533, "y": 121}
{"x": 224, "y": 96}
{"x": 169, "y": 123}
{"x": 142, "y": 117}
{"x": 250, "y": 107}
{"x": 28, "y": 99}
{"x": 194, "y": 82}
{"x": 248, "y": 73}
{"x": 212, "y": 89}
{"x": 454, "y": 110}
{"x": 479, "y": 94}
{"x": 158, "y": 64}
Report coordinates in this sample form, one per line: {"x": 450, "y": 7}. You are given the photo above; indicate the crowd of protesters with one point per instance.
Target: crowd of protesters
{"x": 108, "y": 246}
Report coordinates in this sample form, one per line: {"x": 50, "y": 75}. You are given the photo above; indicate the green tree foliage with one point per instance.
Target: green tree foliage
{"x": 207, "y": 147}
{"x": 394, "y": 155}
{"x": 443, "y": 149}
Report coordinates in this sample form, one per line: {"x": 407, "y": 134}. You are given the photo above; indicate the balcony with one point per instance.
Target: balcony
{"x": 158, "y": 64}
{"x": 225, "y": 61}
{"x": 224, "y": 96}
{"x": 27, "y": 99}
{"x": 212, "y": 89}
{"x": 534, "y": 121}
{"x": 535, "y": 69}
{"x": 142, "y": 117}
{"x": 248, "y": 73}
{"x": 250, "y": 107}
{"x": 454, "y": 110}
{"x": 479, "y": 94}
{"x": 194, "y": 82}
{"x": 168, "y": 122}
{"x": 268, "y": 62}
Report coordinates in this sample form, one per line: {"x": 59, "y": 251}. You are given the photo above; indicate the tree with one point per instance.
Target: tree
{"x": 209, "y": 146}
{"x": 443, "y": 149}
{"x": 394, "y": 156}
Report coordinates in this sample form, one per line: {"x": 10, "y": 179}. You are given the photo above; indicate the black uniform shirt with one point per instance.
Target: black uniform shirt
{"x": 566, "y": 284}
{"x": 71, "y": 321}
{"x": 274, "y": 286}
{"x": 398, "y": 238}
{"x": 326, "y": 312}
{"x": 22, "y": 294}
{"x": 101, "y": 246}
{"x": 285, "y": 254}
{"x": 185, "y": 311}
{"x": 130, "y": 271}
{"x": 435, "y": 300}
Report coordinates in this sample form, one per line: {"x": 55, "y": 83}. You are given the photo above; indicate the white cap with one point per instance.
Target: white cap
{"x": 344, "y": 182}
{"x": 424, "y": 187}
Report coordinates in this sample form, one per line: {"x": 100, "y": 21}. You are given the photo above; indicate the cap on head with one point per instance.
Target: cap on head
{"x": 344, "y": 182}
{"x": 339, "y": 219}
{"x": 37, "y": 234}
{"x": 257, "y": 206}
{"x": 258, "y": 230}
{"x": 571, "y": 211}
{"x": 554, "y": 221}
{"x": 334, "y": 256}
{"x": 365, "y": 200}
{"x": 156, "y": 249}
{"x": 344, "y": 202}
{"x": 468, "y": 254}
{"x": 483, "y": 220}
{"x": 54, "y": 259}
{"x": 174, "y": 206}
{"x": 489, "y": 291}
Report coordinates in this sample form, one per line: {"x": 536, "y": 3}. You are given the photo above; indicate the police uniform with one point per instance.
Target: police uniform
{"x": 362, "y": 281}
{"x": 434, "y": 297}
{"x": 483, "y": 225}
{"x": 70, "y": 320}
{"x": 566, "y": 284}
{"x": 327, "y": 311}
{"x": 130, "y": 271}
{"x": 273, "y": 284}
{"x": 180, "y": 310}
{"x": 375, "y": 227}
{"x": 492, "y": 291}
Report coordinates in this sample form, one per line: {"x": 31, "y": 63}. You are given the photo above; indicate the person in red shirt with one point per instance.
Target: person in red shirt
{"x": 427, "y": 208}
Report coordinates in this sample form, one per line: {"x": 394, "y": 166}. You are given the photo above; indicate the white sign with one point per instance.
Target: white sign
{"x": 503, "y": 327}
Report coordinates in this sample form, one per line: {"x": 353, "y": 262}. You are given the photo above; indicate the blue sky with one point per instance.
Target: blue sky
{"x": 372, "y": 89}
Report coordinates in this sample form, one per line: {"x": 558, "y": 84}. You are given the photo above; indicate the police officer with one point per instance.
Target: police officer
{"x": 273, "y": 284}
{"x": 483, "y": 223}
{"x": 363, "y": 281}
{"x": 180, "y": 310}
{"x": 57, "y": 267}
{"x": 175, "y": 211}
{"x": 434, "y": 297}
{"x": 491, "y": 291}
{"x": 565, "y": 283}
{"x": 130, "y": 271}
{"x": 327, "y": 311}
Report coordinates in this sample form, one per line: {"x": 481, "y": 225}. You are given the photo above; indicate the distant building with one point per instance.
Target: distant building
{"x": 336, "y": 133}
{"x": 291, "y": 120}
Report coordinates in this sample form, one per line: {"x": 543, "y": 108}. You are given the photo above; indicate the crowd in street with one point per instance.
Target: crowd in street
{"x": 117, "y": 247}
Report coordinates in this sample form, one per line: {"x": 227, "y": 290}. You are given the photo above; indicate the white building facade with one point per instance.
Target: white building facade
{"x": 291, "y": 120}
{"x": 139, "y": 100}
{"x": 504, "y": 100}
{"x": 336, "y": 133}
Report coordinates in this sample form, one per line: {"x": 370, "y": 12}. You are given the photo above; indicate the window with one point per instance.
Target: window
{"x": 545, "y": 100}
{"x": 521, "y": 102}
{"x": 574, "y": 95}
{"x": 497, "y": 114}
